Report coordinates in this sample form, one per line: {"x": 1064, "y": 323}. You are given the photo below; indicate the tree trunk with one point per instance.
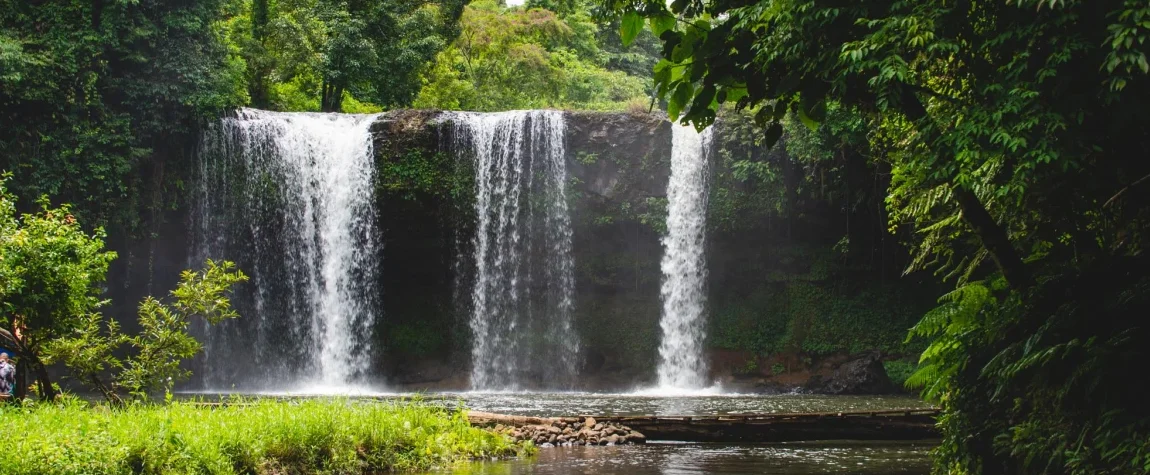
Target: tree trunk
{"x": 993, "y": 238}
{"x": 989, "y": 232}
{"x": 331, "y": 98}
{"x": 47, "y": 392}
{"x": 21, "y": 382}
{"x": 109, "y": 395}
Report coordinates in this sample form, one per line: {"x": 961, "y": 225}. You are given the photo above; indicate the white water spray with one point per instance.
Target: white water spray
{"x": 522, "y": 294}
{"x": 289, "y": 196}
{"x": 682, "y": 364}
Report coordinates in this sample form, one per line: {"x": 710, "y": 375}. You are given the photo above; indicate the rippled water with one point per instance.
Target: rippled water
{"x": 840, "y": 457}
{"x": 574, "y": 404}
{"x": 598, "y": 404}
{"x": 670, "y": 458}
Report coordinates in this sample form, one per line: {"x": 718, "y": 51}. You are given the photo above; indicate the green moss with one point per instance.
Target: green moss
{"x": 586, "y": 158}
{"x": 419, "y": 173}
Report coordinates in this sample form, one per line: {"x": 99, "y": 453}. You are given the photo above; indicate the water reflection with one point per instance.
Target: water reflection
{"x": 692, "y": 458}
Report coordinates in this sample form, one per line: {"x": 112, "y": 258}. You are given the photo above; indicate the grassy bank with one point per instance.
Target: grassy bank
{"x": 329, "y": 436}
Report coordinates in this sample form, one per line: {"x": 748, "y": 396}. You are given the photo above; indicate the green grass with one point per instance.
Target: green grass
{"x": 326, "y": 436}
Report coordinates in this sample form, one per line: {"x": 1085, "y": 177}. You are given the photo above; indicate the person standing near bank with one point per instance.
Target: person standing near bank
{"x": 7, "y": 376}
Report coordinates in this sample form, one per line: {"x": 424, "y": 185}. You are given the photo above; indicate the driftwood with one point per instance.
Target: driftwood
{"x": 490, "y": 418}
{"x": 917, "y": 424}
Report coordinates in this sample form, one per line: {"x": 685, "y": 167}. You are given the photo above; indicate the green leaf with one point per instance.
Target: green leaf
{"x": 630, "y": 28}
{"x": 812, "y": 111}
{"x": 662, "y": 22}
{"x": 671, "y": 39}
{"x": 807, "y": 120}
{"x": 679, "y": 99}
{"x": 773, "y": 134}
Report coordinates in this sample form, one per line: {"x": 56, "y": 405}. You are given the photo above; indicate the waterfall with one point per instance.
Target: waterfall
{"x": 289, "y": 197}
{"x": 682, "y": 364}
{"x": 523, "y": 283}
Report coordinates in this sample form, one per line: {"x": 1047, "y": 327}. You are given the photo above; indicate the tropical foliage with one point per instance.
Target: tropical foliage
{"x": 532, "y": 57}
{"x": 1011, "y": 131}
{"x": 317, "y": 54}
{"x": 51, "y": 276}
{"x": 156, "y": 353}
{"x": 95, "y": 98}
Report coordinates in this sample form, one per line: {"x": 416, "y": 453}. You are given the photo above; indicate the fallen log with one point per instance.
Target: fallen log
{"x": 490, "y": 419}
{"x": 917, "y": 424}
{"x": 872, "y": 425}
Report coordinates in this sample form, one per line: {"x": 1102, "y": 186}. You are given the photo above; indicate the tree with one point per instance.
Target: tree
{"x": 520, "y": 58}
{"x": 51, "y": 273}
{"x": 93, "y": 94}
{"x": 989, "y": 113}
{"x": 156, "y": 353}
{"x": 50, "y": 276}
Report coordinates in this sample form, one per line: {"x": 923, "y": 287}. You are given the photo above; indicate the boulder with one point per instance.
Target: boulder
{"x": 863, "y": 374}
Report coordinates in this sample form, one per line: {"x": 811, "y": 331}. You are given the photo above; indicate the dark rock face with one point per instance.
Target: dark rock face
{"x": 619, "y": 157}
{"x": 762, "y": 262}
{"x": 861, "y": 375}
{"x": 618, "y": 166}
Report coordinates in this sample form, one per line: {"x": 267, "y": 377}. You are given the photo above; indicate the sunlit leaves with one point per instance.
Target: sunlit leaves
{"x": 661, "y": 23}
{"x": 511, "y": 58}
{"x": 630, "y": 27}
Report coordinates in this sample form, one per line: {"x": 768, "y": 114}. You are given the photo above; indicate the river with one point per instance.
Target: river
{"x": 846, "y": 457}
{"x": 665, "y": 457}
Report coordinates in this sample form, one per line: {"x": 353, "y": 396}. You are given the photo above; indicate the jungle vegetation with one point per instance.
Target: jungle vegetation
{"x": 101, "y": 100}
{"x": 1014, "y": 133}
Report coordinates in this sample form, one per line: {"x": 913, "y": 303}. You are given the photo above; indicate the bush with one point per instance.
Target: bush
{"x": 899, "y": 370}
{"x": 336, "y": 436}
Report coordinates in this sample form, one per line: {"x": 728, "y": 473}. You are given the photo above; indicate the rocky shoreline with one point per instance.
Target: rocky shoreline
{"x": 557, "y": 432}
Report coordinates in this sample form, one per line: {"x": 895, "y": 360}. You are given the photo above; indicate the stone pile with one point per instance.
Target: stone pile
{"x": 565, "y": 433}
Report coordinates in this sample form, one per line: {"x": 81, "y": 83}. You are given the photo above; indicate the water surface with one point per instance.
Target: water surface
{"x": 692, "y": 458}
{"x": 575, "y": 404}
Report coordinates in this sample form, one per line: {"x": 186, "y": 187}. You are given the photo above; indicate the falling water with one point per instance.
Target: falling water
{"x": 289, "y": 197}
{"x": 523, "y": 284}
{"x": 682, "y": 364}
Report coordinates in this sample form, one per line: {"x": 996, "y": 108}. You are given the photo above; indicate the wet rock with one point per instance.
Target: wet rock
{"x": 861, "y": 375}
{"x": 554, "y": 434}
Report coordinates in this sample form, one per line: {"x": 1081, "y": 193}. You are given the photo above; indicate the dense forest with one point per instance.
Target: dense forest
{"x": 1010, "y": 136}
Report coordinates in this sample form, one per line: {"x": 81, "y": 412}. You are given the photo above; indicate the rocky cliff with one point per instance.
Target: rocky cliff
{"x": 803, "y": 272}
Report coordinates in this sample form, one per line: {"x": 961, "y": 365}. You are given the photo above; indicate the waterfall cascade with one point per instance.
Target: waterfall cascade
{"x": 288, "y": 196}
{"x": 522, "y": 285}
{"x": 682, "y": 364}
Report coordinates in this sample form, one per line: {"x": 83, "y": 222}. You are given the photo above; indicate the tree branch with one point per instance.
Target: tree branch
{"x": 1124, "y": 189}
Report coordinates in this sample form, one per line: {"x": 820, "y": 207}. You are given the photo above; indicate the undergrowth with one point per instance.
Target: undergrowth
{"x": 326, "y": 436}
